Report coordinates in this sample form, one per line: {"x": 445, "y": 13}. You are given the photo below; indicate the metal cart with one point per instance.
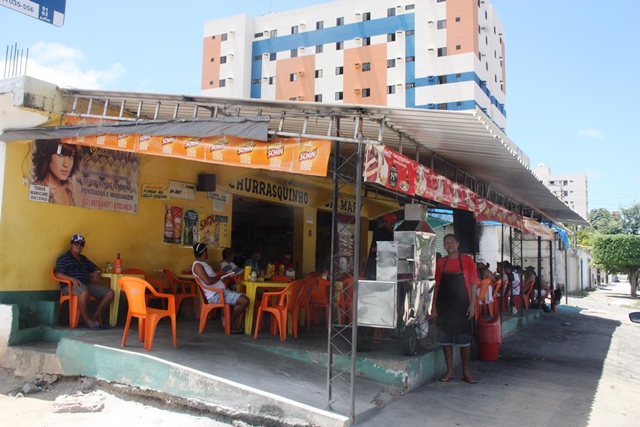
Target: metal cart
{"x": 400, "y": 297}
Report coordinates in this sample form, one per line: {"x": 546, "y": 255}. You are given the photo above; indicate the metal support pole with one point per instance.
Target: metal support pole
{"x": 539, "y": 277}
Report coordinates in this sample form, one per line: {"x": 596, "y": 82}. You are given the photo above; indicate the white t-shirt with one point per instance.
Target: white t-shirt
{"x": 210, "y": 273}
{"x": 515, "y": 285}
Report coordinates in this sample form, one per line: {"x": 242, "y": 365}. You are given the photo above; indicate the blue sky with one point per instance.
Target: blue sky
{"x": 571, "y": 64}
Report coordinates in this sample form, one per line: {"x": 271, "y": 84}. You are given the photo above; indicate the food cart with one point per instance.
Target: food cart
{"x": 400, "y": 297}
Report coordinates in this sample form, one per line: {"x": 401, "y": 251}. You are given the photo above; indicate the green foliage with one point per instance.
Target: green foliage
{"x": 616, "y": 252}
{"x": 630, "y": 219}
{"x": 604, "y": 221}
{"x": 586, "y": 235}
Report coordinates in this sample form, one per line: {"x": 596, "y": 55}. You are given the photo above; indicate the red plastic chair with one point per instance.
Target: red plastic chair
{"x": 135, "y": 289}
{"x": 207, "y": 308}
{"x": 320, "y": 300}
{"x": 279, "y": 304}
{"x": 74, "y": 312}
{"x": 303, "y": 302}
{"x": 182, "y": 289}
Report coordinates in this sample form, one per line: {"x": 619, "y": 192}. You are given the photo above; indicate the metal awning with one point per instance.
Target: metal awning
{"x": 466, "y": 141}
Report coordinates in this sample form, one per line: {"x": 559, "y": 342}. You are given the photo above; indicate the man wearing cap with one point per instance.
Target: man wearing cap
{"x": 454, "y": 305}
{"x": 382, "y": 234}
{"x": 209, "y": 280}
{"x": 84, "y": 275}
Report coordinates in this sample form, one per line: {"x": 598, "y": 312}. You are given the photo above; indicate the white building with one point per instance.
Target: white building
{"x": 570, "y": 188}
{"x": 434, "y": 54}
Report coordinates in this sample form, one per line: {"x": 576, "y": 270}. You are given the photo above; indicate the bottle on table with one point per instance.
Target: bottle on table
{"x": 117, "y": 265}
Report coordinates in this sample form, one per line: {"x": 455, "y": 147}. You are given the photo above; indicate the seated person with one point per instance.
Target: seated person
{"x": 284, "y": 261}
{"x": 228, "y": 266}
{"x": 85, "y": 276}
{"x": 253, "y": 261}
{"x": 209, "y": 279}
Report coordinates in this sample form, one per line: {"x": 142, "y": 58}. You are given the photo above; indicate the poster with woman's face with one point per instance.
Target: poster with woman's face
{"x": 89, "y": 177}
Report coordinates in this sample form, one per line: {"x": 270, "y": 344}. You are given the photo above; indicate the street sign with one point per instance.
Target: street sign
{"x": 51, "y": 11}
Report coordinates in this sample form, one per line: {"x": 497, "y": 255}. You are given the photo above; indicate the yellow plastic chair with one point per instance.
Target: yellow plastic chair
{"x": 279, "y": 304}
{"x": 148, "y": 318}
{"x": 74, "y": 313}
{"x": 207, "y": 308}
{"x": 182, "y": 289}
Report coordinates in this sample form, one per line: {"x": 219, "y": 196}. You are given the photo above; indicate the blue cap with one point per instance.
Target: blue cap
{"x": 77, "y": 238}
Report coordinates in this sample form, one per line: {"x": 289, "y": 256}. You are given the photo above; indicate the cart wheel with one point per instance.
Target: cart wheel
{"x": 363, "y": 342}
{"x": 409, "y": 341}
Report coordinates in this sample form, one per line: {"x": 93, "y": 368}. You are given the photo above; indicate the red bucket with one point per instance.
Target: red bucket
{"x": 488, "y": 351}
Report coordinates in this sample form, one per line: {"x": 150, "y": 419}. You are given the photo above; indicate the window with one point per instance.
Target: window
{"x": 213, "y": 37}
{"x": 410, "y": 58}
{"x": 494, "y": 29}
{"x": 486, "y": 65}
{"x": 391, "y": 37}
{"x": 273, "y": 33}
{"x": 339, "y": 70}
{"x": 255, "y": 81}
{"x": 223, "y": 59}
{"x": 293, "y": 77}
{"x": 319, "y": 48}
{"x": 294, "y": 53}
{"x": 486, "y": 39}
{"x": 391, "y": 63}
{"x": 458, "y": 47}
{"x": 366, "y": 66}
{"x": 272, "y": 80}
{"x": 258, "y": 35}
{"x": 442, "y": 106}
{"x": 495, "y": 78}
{"x": 339, "y": 96}
{"x": 319, "y": 74}
{"x": 293, "y": 98}
{"x": 294, "y": 29}
{"x": 210, "y": 82}
{"x": 257, "y": 57}
{"x": 366, "y": 41}
{"x": 442, "y": 80}
{"x": 366, "y": 16}
{"x": 486, "y": 15}
{"x": 273, "y": 56}
{"x": 410, "y": 7}
{"x": 222, "y": 83}
{"x": 319, "y": 25}
{"x": 366, "y": 92}
{"x": 442, "y": 51}
{"x": 495, "y": 54}
{"x": 213, "y": 59}
{"x": 318, "y": 98}
{"x": 339, "y": 45}
{"x": 391, "y": 11}
{"x": 411, "y": 85}
{"x": 391, "y": 89}
{"x": 410, "y": 32}
{"x": 440, "y": 1}
{"x": 442, "y": 24}
{"x": 339, "y": 21}
{"x": 459, "y": 104}
{"x": 457, "y": 19}
{"x": 223, "y": 37}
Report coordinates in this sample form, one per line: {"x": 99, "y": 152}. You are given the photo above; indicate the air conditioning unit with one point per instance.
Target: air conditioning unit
{"x": 430, "y": 77}
{"x": 356, "y": 90}
{"x": 301, "y": 73}
{"x": 230, "y": 78}
{"x": 230, "y": 55}
{"x": 483, "y": 28}
{"x": 232, "y": 32}
{"x": 266, "y": 32}
{"x": 430, "y": 105}
{"x": 266, "y": 55}
{"x": 301, "y": 49}
{"x": 357, "y": 64}
{"x": 300, "y": 98}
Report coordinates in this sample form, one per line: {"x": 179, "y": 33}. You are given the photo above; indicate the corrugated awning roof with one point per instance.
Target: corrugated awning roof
{"x": 469, "y": 141}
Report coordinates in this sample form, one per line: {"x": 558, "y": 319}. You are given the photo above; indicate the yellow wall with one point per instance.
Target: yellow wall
{"x": 34, "y": 234}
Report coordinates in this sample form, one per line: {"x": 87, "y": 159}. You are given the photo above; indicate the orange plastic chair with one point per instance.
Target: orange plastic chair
{"x": 494, "y": 308}
{"x": 158, "y": 285}
{"x": 525, "y": 296}
{"x": 74, "y": 313}
{"x": 182, "y": 289}
{"x": 281, "y": 279}
{"x": 207, "y": 308}
{"x": 303, "y": 302}
{"x": 320, "y": 300}
{"x": 480, "y": 300}
{"x": 279, "y": 304}
{"x": 549, "y": 297}
{"x": 148, "y": 318}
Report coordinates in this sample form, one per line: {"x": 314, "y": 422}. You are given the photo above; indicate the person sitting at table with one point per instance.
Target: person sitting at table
{"x": 85, "y": 276}
{"x": 228, "y": 266}
{"x": 285, "y": 262}
{"x": 209, "y": 279}
{"x": 253, "y": 261}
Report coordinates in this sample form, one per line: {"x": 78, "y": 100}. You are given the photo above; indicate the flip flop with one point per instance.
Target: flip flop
{"x": 446, "y": 378}
{"x": 469, "y": 379}
{"x": 96, "y": 327}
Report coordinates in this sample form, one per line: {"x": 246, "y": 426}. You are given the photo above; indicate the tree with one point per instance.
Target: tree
{"x": 618, "y": 253}
{"x": 630, "y": 221}
{"x": 604, "y": 221}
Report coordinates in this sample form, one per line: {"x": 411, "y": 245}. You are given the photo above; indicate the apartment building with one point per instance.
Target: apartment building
{"x": 432, "y": 54}
{"x": 570, "y": 188}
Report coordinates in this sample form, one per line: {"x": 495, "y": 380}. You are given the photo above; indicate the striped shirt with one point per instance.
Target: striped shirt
{"x": 80, "y": 270}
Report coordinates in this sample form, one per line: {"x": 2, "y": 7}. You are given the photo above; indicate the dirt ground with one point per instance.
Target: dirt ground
{"x": 109, "y": 407}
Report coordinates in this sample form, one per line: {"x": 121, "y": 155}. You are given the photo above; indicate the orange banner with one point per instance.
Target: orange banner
{"x": 489, "y": 211}
{"x": 293, "y": 155}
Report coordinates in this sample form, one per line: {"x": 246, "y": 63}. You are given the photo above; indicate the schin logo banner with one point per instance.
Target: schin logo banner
{"x": 269, "y": 190}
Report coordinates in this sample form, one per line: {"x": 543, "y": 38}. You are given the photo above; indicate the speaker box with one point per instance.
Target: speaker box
{"x": 206, "y": 182}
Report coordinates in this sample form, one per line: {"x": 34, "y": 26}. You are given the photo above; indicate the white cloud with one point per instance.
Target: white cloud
{"x": 62, "y": 65}
{"x": 591, "y": 133}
